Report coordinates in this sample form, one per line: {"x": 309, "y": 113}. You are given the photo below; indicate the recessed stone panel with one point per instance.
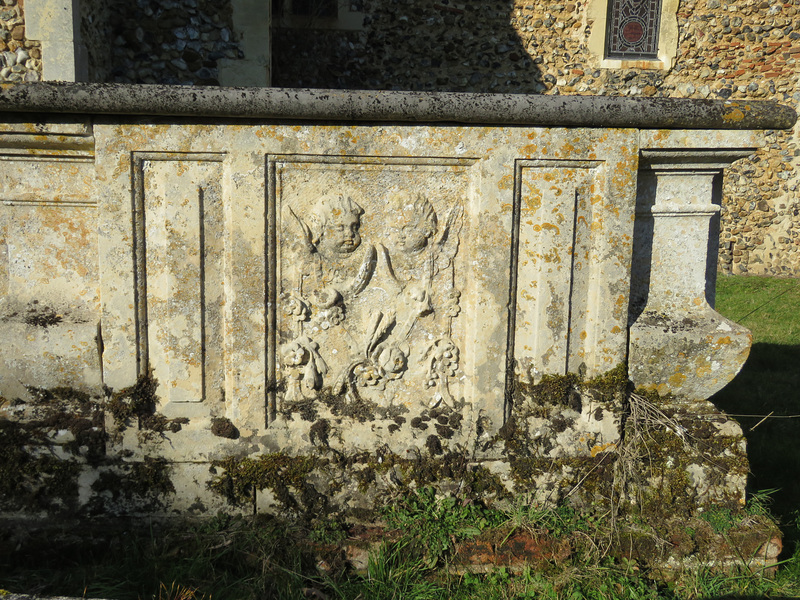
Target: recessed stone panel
{"x": 180, "y": 274}
{"x": 370, "y": 279}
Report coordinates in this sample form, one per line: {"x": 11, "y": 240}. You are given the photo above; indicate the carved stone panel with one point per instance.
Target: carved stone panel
{"x": 180, "y": 267}
{"x": 369, "y": 280}
{"x": 564, "y": 293}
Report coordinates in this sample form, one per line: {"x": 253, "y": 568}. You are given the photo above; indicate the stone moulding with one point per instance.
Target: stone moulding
{"x": 358, "y": 105}
{"x": 214, "y": 273}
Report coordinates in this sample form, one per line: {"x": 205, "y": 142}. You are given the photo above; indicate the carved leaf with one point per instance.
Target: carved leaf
{"x": 447, "y": 244}
{"x": 383, "y": 323}
{"x": 364, "y": 272}
{"x": 312, "y": 380}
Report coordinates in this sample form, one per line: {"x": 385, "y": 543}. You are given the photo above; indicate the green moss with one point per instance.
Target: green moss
{"x": 305, "y": 408}
{"x": 139, "y": 402}
{"x": 30, "y": 477}
{"x": 277, "y": 472}
{"x": 223, "y": 427}
{"x": 34, "y": 473}
{"x": 551, "y": 390}
{"x": 353, "y": 407}
{"x": 142, "y": 483}
{"x": 319, "y": 431}
{"x": 291, "y": 479}
{"x": 610, "y": 384}
{"x": 41, "y": 316}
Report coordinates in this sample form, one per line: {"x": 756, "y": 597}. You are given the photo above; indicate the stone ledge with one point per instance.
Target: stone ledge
{"x": 355, "y": 105}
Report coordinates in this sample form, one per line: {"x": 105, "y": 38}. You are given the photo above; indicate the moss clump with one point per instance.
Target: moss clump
{"x": 41, "y": 316}
{"x": 32, "y": 479}
{"x": 276, "y": 472}
{"x": 142, "y": 483}
{"x": 353, "y": 407}
{"x": 611, "y": 384}
{"x": 59, "y": 394}
{"x": 223, "y": 427}
{"x": 137, "y": 401}
{"x": 291, "y": 480}
{"x": 552, "y": 389}
{"x": 36, "y": 470}
{"x": 305, "y": 408}
{"x": 319, "y": 432}
{"x": 152, "y": 475}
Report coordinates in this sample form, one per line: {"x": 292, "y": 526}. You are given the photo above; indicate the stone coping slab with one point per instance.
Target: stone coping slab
{"x": 393, "y": 106}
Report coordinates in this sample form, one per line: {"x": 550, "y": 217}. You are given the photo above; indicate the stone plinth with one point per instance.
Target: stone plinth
{"x": 345, "y": 287}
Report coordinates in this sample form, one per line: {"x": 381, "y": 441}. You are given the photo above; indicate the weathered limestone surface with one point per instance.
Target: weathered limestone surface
{"x": 364, "y": 277}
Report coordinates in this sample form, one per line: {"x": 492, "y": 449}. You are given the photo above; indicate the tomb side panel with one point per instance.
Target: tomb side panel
{"x": 182, "y": 284}
{"x": 573, "y": 235}
{"x": 369, "y": 279}
{"x": 49, "y": 291}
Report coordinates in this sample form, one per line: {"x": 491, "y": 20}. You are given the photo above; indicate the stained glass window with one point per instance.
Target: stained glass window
{"x": 632, "y": 30}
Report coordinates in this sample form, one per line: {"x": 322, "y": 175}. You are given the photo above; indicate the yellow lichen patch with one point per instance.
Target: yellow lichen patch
{"x": 734, "y": 116}
{"x": 724, "y": 341}
{"x": 677, "y": 380}
{"x": 538, "y": 227}
{"x": 597, "y": 449}
{"x": 506, "y": 182}
{"x": 703, "y": 370}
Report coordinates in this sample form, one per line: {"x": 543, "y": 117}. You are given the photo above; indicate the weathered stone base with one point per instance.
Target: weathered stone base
{"x": 650, "y": 465}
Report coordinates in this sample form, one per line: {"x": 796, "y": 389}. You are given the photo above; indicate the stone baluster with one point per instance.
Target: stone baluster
{"x": 678, "y": 342}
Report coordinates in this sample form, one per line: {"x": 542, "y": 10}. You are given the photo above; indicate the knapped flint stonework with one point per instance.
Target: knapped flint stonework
{"x": 20, "y": 57}
{"x": 744, "y": 49}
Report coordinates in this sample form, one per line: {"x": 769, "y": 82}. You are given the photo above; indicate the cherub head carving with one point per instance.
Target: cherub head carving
{"x": 417, "y": 219}
{"x": 335, "y": 224}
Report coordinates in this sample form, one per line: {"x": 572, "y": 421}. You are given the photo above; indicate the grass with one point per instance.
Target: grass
{"x": 247, "y": 558}
{"x": 769, "y": 384}
{"x": 242, "y": 558}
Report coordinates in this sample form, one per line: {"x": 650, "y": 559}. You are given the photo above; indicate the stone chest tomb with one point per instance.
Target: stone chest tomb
{"x": 355, "y": 292}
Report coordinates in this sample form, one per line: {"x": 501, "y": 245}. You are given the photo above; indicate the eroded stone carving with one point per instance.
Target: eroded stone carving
{"x": 369, "y": 299}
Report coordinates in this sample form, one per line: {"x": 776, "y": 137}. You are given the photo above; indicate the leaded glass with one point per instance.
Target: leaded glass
{"x": 632, "y": 30}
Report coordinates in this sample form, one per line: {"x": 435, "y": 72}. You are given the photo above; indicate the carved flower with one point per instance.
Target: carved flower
{"x": 295, "y": 308}
{"x": 392, "y": 360}
{"x": 302, "y": 361}
{"x": 294, "y": 354}
{"x": 452, "y": 307}
{"x": 331, "y": 317}
{"x": 326, "y": 297}
{"x": 369, "y": 375}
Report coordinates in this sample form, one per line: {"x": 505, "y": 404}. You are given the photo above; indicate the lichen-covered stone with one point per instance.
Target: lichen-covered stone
{"x": 320, "y": 308}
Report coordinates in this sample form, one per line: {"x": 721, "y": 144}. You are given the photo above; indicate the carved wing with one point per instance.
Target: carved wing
{"x": 446, "y": 246}
{"x": 300, "y": 233}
